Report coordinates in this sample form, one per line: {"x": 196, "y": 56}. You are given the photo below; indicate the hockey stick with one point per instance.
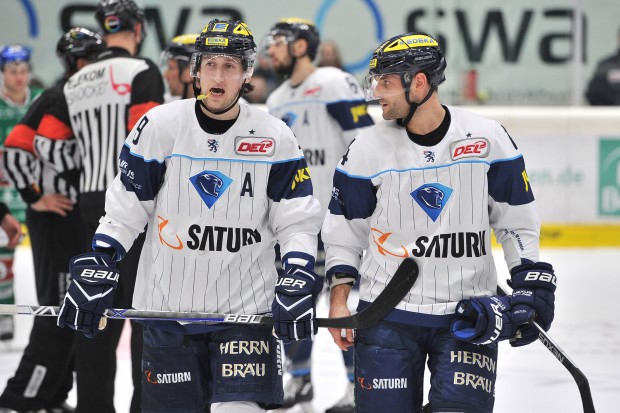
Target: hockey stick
{"x": 400, "y": 284}
{"x": 582, "y": 381}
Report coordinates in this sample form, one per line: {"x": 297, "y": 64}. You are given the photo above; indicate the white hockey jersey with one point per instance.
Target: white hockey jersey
{"x": 436, "y": 204}
{"x": 325, "y": 112}
{"x": 214, "y": 205}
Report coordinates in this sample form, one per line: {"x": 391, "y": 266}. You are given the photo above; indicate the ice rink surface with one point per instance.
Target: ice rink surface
{"x": 530, "y": 379}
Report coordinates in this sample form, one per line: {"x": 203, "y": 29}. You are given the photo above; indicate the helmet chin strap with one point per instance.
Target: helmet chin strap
{"x": 200, "y": 97}
{"x": 413, "y": 107}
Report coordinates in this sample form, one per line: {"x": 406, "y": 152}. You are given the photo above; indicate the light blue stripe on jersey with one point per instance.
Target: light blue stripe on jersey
{"x": 426, "y": 168}
{"x": 232, "y": 160}
{"x": 306, "y": 101}
{"x": 193, "y": 158}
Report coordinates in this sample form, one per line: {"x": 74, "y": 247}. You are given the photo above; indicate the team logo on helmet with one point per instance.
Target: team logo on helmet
{"x": 432, "y": 198}
{"x": 210, "y": 185}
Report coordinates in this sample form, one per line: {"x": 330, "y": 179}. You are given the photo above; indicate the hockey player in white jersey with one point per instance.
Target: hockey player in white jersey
{"x": 431, "y": 182}
{"x": 325, "y": 108}
{"x": 217, "y": 183}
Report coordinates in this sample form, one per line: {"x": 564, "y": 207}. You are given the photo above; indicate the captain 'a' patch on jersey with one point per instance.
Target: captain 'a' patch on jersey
{"x": 210, "y": 185}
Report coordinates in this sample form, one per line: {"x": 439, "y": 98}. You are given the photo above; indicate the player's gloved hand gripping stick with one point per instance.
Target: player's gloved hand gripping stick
{"x": 94, "y": 279}
{"x": 516, "y": 317}
{"x": 294, "y": 305}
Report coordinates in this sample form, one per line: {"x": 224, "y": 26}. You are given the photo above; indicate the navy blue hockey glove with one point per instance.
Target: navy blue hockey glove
{"x": 94, "y": 278}
{"x": 533, "y": 298}
{"x": 483, "y": 320}
{"x": 294, "y": 305}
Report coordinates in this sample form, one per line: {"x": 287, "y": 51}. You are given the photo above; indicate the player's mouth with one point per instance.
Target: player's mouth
{"x": 216, "y": 91}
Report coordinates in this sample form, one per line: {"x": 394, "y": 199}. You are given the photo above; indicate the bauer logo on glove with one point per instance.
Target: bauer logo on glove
{"x": 99, "y": 274}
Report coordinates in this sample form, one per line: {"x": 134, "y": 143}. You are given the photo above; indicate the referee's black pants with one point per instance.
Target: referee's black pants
{"x": 44, "y": 375}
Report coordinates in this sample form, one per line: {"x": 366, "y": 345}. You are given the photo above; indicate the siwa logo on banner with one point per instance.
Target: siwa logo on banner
{"x": 609, "y": 177}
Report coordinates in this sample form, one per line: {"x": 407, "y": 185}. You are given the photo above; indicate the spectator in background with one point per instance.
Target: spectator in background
{"x": 604, "y": 88}
{"x": 46, "y": 173}
{"x": 15, "y": 99}
{"x": 329, "y": 55}
{"x": 176, "y": 57}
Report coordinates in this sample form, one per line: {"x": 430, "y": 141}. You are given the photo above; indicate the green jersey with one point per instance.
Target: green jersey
{"x": 10, "y": 115}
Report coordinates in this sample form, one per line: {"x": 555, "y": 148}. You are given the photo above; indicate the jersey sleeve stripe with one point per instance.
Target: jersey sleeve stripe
{"x": 352, "y": 197}
{"x": 288, "y": 180}
{"x": 350, "y": 114}
{"x": 140, "y": 176}
{"x": 508, "y": 182}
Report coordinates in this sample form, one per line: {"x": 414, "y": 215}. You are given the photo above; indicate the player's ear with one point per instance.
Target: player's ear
{"x": 419, "y": 81}
{"x": 300, "y": 48}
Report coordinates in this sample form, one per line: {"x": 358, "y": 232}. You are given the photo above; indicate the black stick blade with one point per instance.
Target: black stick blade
{"x": 399, "y": 286}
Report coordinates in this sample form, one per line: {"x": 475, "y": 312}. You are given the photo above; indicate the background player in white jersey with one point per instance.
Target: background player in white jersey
{"x": 218, "y": 183}
{"x": 431, "y": 182}
{"x": 325, "y": 108}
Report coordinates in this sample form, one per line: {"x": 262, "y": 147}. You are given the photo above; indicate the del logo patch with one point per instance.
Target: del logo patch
{"x": 254, "y": 145}
{"x": 210, "y": 185}
{"x": 432, "y": 198}
{"x": 470, "y": 148}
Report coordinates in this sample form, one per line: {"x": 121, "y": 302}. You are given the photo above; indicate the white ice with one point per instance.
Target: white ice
{"x": 530, "y": 379}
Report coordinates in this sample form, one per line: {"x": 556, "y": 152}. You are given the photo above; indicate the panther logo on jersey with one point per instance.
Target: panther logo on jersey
{"x": 289, "y": 118}
{"x": 432, "y": 198}
{"x": 210, "y": 185}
